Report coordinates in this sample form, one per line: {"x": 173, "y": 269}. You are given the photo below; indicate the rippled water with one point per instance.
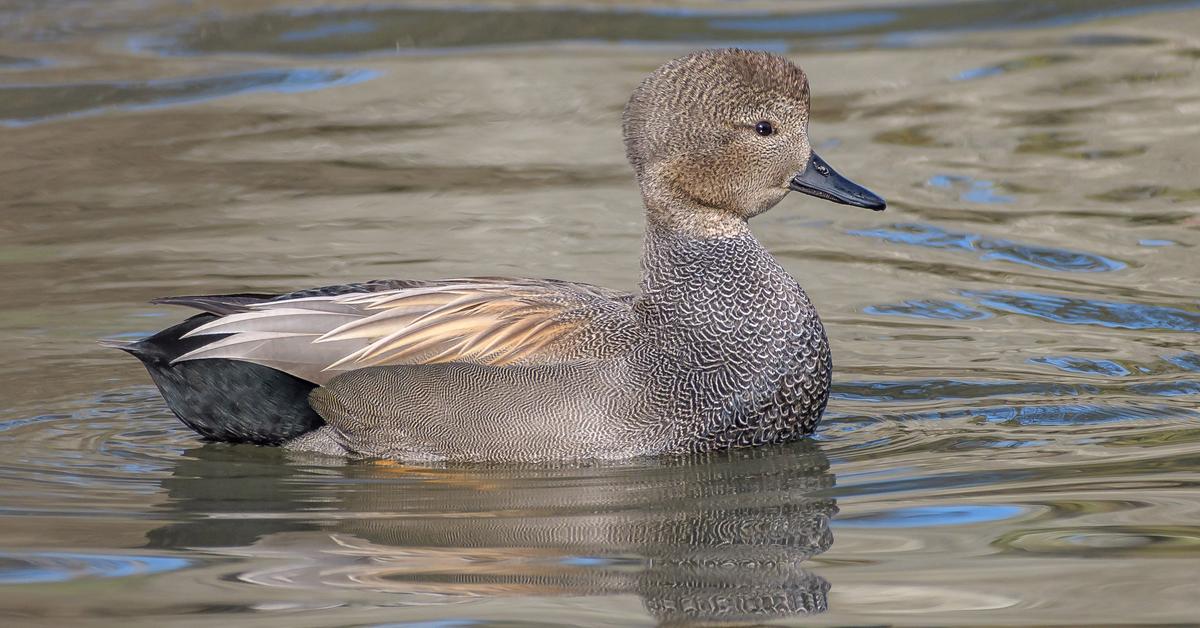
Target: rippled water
{"x": 1015, "y": 432}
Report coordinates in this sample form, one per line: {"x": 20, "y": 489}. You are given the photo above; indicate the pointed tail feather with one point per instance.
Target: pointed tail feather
{"x": 128, "y": 346}
{"x": 220, "y": 304}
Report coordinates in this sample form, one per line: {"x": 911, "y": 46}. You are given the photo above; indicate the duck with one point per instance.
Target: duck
{"x": 719, "y": 348}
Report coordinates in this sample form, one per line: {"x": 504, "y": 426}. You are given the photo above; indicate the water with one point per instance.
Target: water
{"x": 1015, "y": 432}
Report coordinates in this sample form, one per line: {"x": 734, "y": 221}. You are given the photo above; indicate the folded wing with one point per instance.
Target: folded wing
{"x": 492, "y": 321}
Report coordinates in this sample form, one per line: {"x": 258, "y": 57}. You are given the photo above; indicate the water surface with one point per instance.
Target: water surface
{"x": 1014, "y": 437}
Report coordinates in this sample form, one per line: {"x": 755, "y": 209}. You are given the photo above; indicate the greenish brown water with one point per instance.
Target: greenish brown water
{"x": 1015, "y": 433}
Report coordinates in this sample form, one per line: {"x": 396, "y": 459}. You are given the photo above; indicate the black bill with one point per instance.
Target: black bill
{"x": 821, "y": 181}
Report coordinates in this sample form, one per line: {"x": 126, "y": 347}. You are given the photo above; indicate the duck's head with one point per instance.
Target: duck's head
{"x": 727, "y": 130}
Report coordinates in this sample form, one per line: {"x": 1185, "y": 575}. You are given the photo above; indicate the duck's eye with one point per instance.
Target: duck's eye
{"x": 764, "y": 128}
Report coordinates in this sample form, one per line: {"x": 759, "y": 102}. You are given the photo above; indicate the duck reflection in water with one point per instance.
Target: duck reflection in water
{"x": 717, "y": 537}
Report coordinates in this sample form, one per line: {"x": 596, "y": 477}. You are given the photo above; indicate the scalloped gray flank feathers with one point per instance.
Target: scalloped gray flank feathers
{"x": 720, "y": 348}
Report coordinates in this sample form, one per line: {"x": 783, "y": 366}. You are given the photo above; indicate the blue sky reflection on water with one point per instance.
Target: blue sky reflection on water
{"x": 65, "y": 100}
{"x": 1081, "y": 311}
{"x": 43, "y": 567}
{"x": 1081, "y": 365}
{"x": 929, "y": 516}
{"x": 1037, "y": 256}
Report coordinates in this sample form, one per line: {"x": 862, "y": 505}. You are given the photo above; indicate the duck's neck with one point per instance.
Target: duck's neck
{"x": 705, "y": 276}
{"x": 681, "y": 218}
{"x": 697, "y": 252}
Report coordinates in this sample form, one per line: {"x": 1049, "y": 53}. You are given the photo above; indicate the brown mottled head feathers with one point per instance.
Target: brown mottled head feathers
{"x": 690, "y": 134}
{"x": 708, "y": 88}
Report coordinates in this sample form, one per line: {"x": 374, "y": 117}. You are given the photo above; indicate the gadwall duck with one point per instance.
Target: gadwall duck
{"x": 721, "y": 348}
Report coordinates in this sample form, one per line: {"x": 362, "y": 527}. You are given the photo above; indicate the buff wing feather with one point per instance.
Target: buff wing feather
{"x": 482, "y": 321}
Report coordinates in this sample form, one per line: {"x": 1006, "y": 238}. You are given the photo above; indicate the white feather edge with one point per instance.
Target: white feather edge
{"x": 279, "y": 319}
{"x": 292, "y": 353}
{"x": 211, "y": 349}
